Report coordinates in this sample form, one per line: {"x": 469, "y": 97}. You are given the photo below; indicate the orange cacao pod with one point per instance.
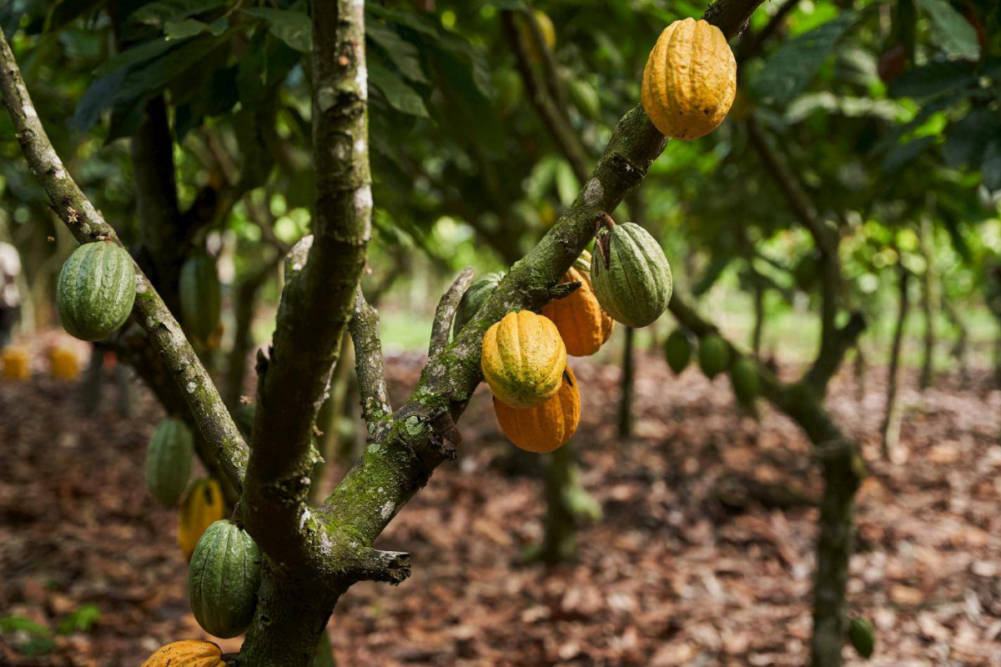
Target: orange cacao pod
{"x": 582, "y": 324}
{"x": 523, "y": 359}
{"x": 547, "y": 427}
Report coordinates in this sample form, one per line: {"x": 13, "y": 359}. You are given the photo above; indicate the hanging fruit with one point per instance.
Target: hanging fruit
{"x": 583, "y": 325}
{"x": 631, "y": 276}
{"x": 63, "y": 363}
{"x": 714, "y": 355}
{"x": 223, "y": 579}
{"x": 201, "y": 296}
{"x": 523, "y": 359}
{"x": 188, "y": 653}
{"x": 203, "y": 506}
{"x": 168, "y": 461}
{"x": 690, "y": 80}
{"x": 547, "y": 427}
{"x": 678, "y": 350}
{"x": 96, "y": 290}
{"x": 745, "y": 381}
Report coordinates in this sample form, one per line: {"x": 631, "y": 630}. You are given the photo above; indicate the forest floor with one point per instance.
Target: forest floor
{"x": 704, "y": 556}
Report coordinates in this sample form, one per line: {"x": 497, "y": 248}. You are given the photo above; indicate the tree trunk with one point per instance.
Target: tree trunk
{"x": 328, "y": 420}
{"x": 626, "y": 400}
{"x": 759, "y": 313}
{"x": 859, "y": 372}
{"x": 961, "y": 346}
{"x": 559, "y": 543}
{"x": 244, "y": 308}
{"x": 929, "y": 301}
{"x": 891, "y": 421}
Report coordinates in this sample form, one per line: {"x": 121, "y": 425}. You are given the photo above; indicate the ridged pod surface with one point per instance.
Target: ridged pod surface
{"x": 690, "y": 80}
{"x": 223, "y": 579}
{"x": 203, "y": 506}
{"x": 714, "y": 355}
{"x": 547, "y": 427}
{"x": 188, "y": 653}
{"x": 678, "y": 350}
{"x": 523, "y": 359}
{"x": 201, "y": 296}
{"x": 583, "y": 325}
{"x": 474, "y": 298}
{"x": 168, "y": 461}
{"x": 96, "y": 290}
{"x": 634, "y": 286}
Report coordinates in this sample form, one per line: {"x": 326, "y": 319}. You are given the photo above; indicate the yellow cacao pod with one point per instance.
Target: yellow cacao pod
{"x": 583, "y": 325}
{"x": 203, "y": 506}
{"x": 188, "y": 653}
{"x": 690, "y": 80}
{"x": 547, "y": 427}
{"x": 523, "y": 359}
{"x": 15, "y": 363}
{"x": 63, "y": 363}
{"x": 546, "y": 28}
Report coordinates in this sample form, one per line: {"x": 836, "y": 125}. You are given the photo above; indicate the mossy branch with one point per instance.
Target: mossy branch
{"x": 375, "y": 403}
{"x": 445, "y": 313}
{"x": 87, "y": 225}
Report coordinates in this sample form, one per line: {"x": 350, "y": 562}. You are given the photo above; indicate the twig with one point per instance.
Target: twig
{"x": 87, "y": 225}
{"x": 364, "y": 327}
{"x": 445, "y": 313}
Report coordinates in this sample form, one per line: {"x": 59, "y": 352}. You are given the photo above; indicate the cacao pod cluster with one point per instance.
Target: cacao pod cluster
{"x": 715, "y": 357}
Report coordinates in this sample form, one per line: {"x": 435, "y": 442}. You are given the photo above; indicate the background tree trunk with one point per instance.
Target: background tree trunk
{"x": 890, "y": 430}
{"x": 929, "y": 300}
{"x": 626, "y": 400}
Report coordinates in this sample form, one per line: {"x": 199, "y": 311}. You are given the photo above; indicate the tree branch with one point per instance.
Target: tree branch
{"x": 87, "y": 225}
{"x": 317, "y": 301}
{"x": 375, "y": 405}
{"x": 445, "y": 313}
{"x": 751, "y": 44}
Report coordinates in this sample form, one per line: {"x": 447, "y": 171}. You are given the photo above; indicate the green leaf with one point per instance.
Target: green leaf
{"x": 900, "y": 156}
{"x": 990, "y": 166}
{"x": 291, "y": 27}
{"x": 64, "y": 11}
{"x": 154, "y": 77}
{"x": 952, "y": 32}
{"x": 400, "y": 96}
{"x": 967, "y": 140}
{"x": 135, "y": 55}
{"x": 175, "y": 30}
{"x": 162, "y": 11}
{"x": 790, "y": 69}
{"x": 567, "y": 185}
{"x": 96, "y": 100}
{"x": 82, "y": 619}
{"x": 934, "y": 79}
{"x": 400, "y": 52}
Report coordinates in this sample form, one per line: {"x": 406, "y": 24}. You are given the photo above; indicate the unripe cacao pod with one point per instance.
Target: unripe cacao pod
{"x": 201, "y": 296}
{"x": 203, "y": 506}
{"x": 168, "y": 461}
{"x": 547, "y": 29}
{"x": 583, "y": 325}
{"x": 474, "y": 298}
{"x": 188, "y": 653}
{"x": 714, "y": 355}
{"x": 96, "y": 290}
{"x": 223, "y": 579}
{"x": 585, "y": 98}
{"x": 745, "y": 381}
{"x": 546, "y": 427}
{"x": 862, "y": 636}
{"x": 690, "y": 80}
{"x": 678, "y": 350}
{"x": 523, "y": 359}
{"x": 631, "y": 276}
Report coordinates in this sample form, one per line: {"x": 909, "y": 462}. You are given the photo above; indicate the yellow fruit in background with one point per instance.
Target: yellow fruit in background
{"x": 188, "y": 653}
{"x": 63, "y": 363}
{"x": 546, "y": 28}
{"x": 15, "y": 363}
{"x": 583, "y": 325}
{"x": 523, "y": 359}
{"x": 690, "y": 80}
{"x": 203, "y": 506}
{"x": 546, "y": 427}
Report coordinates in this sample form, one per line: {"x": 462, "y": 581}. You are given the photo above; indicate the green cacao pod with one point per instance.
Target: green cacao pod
{"x": 585, "y": 98}
{"x": 678, "y": 350}
{"x": 631, "y": 276}
{"x": 714, "y": 355}
{"x": 510, "y": 89}
{"x": 474, "y": 298}
{"x": 201, "y": 296}
{"x": 168, "y": 461}
{"x": 744, "y": 378}
{"x": 862, "y": 636}
{"x": 96, "y": 290}
{"x": 223, "y": 579}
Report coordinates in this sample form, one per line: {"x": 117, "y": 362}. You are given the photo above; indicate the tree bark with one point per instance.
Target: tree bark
{"x": 627, "y": 385}
{"x": 891, "y": 422}
{"x": 559, "y": 543}
{"x": 929, "y": 300}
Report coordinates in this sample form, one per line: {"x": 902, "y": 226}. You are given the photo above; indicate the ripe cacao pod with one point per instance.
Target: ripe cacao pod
{"x": 631, "y": 276}
{"x": 474, "y": 298}
{"x": 583, "y": 325}
{"x": 523, "y": 359}
{"x": 678, "y": 350}
{"x": 744, "y": 378}
{"x": 63, "y": 363}
{"x": 168, "y": 461}
{"x": 15, "y": 363}
{"x": 203, "y": 506}
{"x": 201, "y": 296}
{"x": 188, "y": 653}
{"x": 547, "y": 29}
{"x": 96, "y": 290}
{"x": 862, "y": 636}
{"x": 690, "y": 80}
{"x": 714, "y": 355}
{"x": 583, "y": 264}
{"x": 510, "y": 89}
{"x": 547, "y": 427}
{"x": 223, "y": 579}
